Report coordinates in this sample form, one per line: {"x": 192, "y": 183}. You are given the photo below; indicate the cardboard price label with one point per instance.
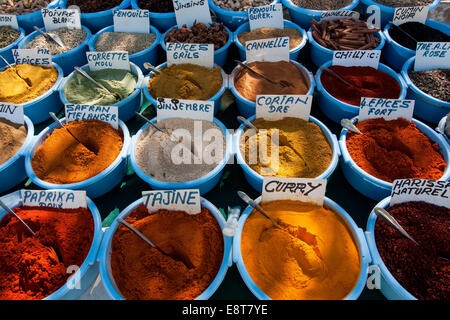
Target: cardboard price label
{"x": 167, "y": 108}
{"x": 432, "y": 55}
{"x": 61, "y": 18}
{"x": 389, "y": 109}
{"x": 40, "y": 57}
{"x": 273, "y": 49}
{"x": 270, "y": 16}
{"x": 9, "y": 20}
{"x": 77, "y": 112}
{"x": 188, "y": 11}
{"x": 435, "y": 192}
{"x": 359, "y": 58}
{"x": 131, "y": 21}
{"x": 410, "y": 14}
{"x": 108, "y": 60}
{"x": 178, "y": 200}
{"x": 192, "y": 53}
{"x": 64, "y": 199}
{"x": 12, "y": 112}
{"x": 339, "y": 14}
{"x": 276, "y": 107}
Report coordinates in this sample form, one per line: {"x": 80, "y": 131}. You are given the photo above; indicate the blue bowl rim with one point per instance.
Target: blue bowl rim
{"x": 123, "y": 5}
{"x": 15, "y": 43}
{"x": 290, "y": 5}
{"x": 223, "y": 11}
{"x": 391, "y": 10}
{"x": 155, "y": 15}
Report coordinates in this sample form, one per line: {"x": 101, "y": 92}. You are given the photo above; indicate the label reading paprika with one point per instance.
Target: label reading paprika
{"x": 131, "y": 21}
{"x": 12, "y": 112}
{"x": 189, "y": 11}
{"x": 39, "y": 57}
{"x": 77, "y": 112}
{"x": 410, "y": 14}
{"x": 61, "y": 18}
{"x": 339, "y": 14}
{"x": 435, "y": 192}
{"x": 432, "y": 55}
{"x": 357, "y": 58}
{"x": 389, "y": 109}
{"x": 9, "y": 20}
{"x": 178, "y": 200}
{"x": 167, "y": 108}
{"x": 298, "y": 189}
{"x": 57, "y": 198}
{"x": 276, "y": 107}
{"x": 191, "y": 53}
{"x": 272, "y": 49}
{"x": 108, "y": 60}
{"x": 270, "y": 16}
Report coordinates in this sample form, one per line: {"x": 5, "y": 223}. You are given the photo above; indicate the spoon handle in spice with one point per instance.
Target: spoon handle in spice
{"x": 5, "y": 207}
{"x": 390, "y": 220}
{"x": 334, "y": 74}
{"x": 253, "y": 204}
{"x": 254, "y": 72}
{"x": 84, "y": 74}
{"x": 51, "y": 37}
{"x": 348, "y": 124}
{"x": 149, "y": 122}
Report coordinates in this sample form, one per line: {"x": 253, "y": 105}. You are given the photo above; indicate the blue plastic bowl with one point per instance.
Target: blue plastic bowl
{"x": 27, "y": 21}
{"x": 88, "y": 271}
{"x": 128, "y": 106}
{"x": 396, "y": 54}
{"x": 426, "y": 107}
{"x": 373, "y": 187}
{"x": 106, "y": 250}
{"x": 95, "y": 186}
{"x": 149, "y": 54}
{"x": 220, "y": 55}
{"x": 303, "y": 16}
{"x": 293, "y": 53}
{"x": 256, "y": 180}
{"x": 6, "y": 52}
{"x": 337, "y": 110}
{"x": 246, "y": 107}
{"x": 66, "y": 60}
{"x": 216, "y": 98}
{"x": 12, "y": 172}
{"x": 441, "y": 129}
{"x": 357, "y": 233}
{"x": 98, "y": 20}
{"x": 160, "y": 20}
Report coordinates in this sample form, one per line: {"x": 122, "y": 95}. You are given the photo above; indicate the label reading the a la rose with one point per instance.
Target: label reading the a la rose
{"x": 63, "y": 199}
{"x": 298, "y": 189}
{"x": 9, "y": 20}
{"x": 40, "y": 57}
{"x": 189, "y": 11}
{"x": 12, "y": 112}
{"x": 359, "y": 58}
{"x": 388, "y": 109}
{"x": 131, "y": 21}
{"x": 167, "y": 108}
{"x": 272, "y": 49}
{"x": 191, "y": 53}
{"x": 61, "y": 18}
{"x": 180, "y": 200}
{"x": 276, "y": 107}
{"x": 435, "y": 192}
{"x": 339, "y": 14}
{"x": 432, "y": 55}
{"x": 410, "y": 14}
{"x": 77, "y": 112}
{"x": 108, "y": 60}
{"x": 270, "y": 16}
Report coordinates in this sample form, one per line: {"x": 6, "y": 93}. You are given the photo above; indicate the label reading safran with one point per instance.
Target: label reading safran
{"x": 181, "y": 200}
{"x": 77, "y": 112}
{"x": 64, "y": 199}
{"x": 12, "y": 112}
{"x": 435, "y": 192}
{"x": 108, "y": 60}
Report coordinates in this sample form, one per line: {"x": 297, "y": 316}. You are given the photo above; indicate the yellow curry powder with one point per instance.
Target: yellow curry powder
{"x": 315, "y": 257}
{"x": 33, "y": 82}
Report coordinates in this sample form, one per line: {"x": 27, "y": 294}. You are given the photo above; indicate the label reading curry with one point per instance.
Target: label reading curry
{"x": 61, "y": 18}
{"x": 435, "y": 192}
{"x": 276, "y": 107}
{"x": 77, "y": 112}
{"x": 12, "y": 112}
{"x": 270, "y": 16}
{"x": 357, "y": 58}
{"x": 131, "y": 21}
{"x": 410, "y": 14}
{"x": 9, "y": 20}
{"x": 181, "y": 200}
{"x": 39, "y": 57}
{"x": 108, "y": 60}
{"x": 272, "y": 49}
{"x": 57, "y": 198}
{"x": 389, "y": 109}
{"x": 189, "y": 11}
{"x": 167, "y": 108}
{"x": 191, "y": 53}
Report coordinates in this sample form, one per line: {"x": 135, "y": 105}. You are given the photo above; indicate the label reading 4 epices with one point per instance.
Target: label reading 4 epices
{"x": 388, "y": 109}
{"x": 40, "y": 57}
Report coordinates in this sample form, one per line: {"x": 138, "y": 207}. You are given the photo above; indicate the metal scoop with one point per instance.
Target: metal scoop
{"x": 151, "y": 123}
{"x": 51, "y": 36}
{"x": 27, "y": 80}
{"x": 150, "y": 67}
{"x": 84, "y": 74}
{"x": 338, "y": 77}
{"x": 349, "y": 125}
{"x": 253, "y": 204}
{"x": 283, "y": 83}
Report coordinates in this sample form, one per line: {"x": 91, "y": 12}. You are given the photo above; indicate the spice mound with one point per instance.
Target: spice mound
{"x": 29, "y": 270}
{"x": 436, "y": 83}
{"x": 25, "y": 82}
{"x": 61, "y": 159}
{"x": 313, "y": 256}
{"x": 12, "y": 137}
{"x": 178, "y": 155}
{"x": 19, "y": 7}
{"x": 240, "y": 5}
{"x": 71, "y": 39}
{"x": 132, "y": 42}
{"x": 186, "y": 81}
{"x": 367, "y": 82}
{"x": 403, "y": 3}
{"x": 8, "y": 35}
{"x": 249, "y": 85}
{"x": 418, "y": 268}
{"x": 199, "y": 33}
{"x": 302, "y": 150}
{"x": 396, "y": 149}
{"x": 295, "y": 37}
{"x": 322, "y": 4}
{"x": 141, "y": 272}
{"x": 89, "y": 6}
{"x": 419, "y": 31}
{"x": 161, "y": 6}
{"x": 80, "y": 90}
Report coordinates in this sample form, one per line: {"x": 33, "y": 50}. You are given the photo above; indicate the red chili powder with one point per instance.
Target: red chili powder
{"x": 28, "y": 270}
{"x": 395, "y": 149}
{"x": 369, "y": 83}
{"x": 418, "y": 269}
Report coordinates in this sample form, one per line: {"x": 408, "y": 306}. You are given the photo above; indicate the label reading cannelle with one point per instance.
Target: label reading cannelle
{"x": 339, "y": 14}
{"x": 276, "y": 107}
{"x": 272, "y": 49}
{"x": 410, "y": 14}
{"x": 432, "y": 55}
{"x": 63, "y": 199}
{"x": 435, "y": 192}
{"x": 39, "y": 57}
{"x": 178, "y": 200}
{"x": 9, "y": 20}
{"x": 167, "y": 108}
{"x": 189, "y": 11}
{"x": 108, "y": 60}
{"x": 131, "y": 21}
{"x": 359, "y": 58}
{"x": 77, "y": 112}
{"x": 270, "y": 16}
{"x": 389, "y": 109}
{"x": 12, "y": 112}
{"x": 191, "y": 53}
{"x": 61, "y": 18}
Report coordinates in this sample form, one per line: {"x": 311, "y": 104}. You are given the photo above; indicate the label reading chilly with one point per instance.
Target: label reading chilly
{"x": 167, "y": 108}
{"x": 410, "y": 14}
{"x": 272, "y": 49}
{"x": 64, "y": 199}
{"x": 40, "y": 57}
{"x": 131, "y": 21}
{"x": 276, "y": 107}
{"x": 389, "y": 109}
{"x": 189, "y": 11}
{"x": 432, "y": 55}
{"x": 12, "y": 112}
{"x": 108, "y": 60}
{"x": 61, "y": 18}
{"x": 435, "y": 192}
{"x": 339, "y": 14}
{"x": 270, "y": 16}
{"x": 179, "y": 200}
{"x": 299, "y": 189}
{"x": 192, "y": 53}
{"x": 359, "y": 58}
{"x": 9, "y": 20}
{"x": 109, "y": 114}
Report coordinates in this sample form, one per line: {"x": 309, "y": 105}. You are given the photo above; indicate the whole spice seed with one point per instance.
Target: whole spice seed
{"x": 8, "y": 35}
{"x": 124, "y": 41}
{"x": 19, "y": 7}
{"x": 295, "y": 37}
{"x": 436, "y": 83}
{"x": 161, "y": 6}
{"x": 94, "y": 5}
{"x": 241, "y": 5}
{"x": 71, "y": 39}
{"x": 404, "y": 3}
{"x": 199, "y": 33}
{"x": 322, "y": 4}
{"x": 418, "y": 31}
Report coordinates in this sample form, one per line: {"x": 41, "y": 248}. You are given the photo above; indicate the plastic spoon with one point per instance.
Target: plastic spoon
{"x": 84, "y": 74}
{"x": 27, "y": 81}
{"x": 338, "y": 77}
{"x": 253, "y": 204}
{"x": 349, "y": 125}
{"x": 51, "y": 36}
{"x": 281, "y": 82}
{"x": 150, "y": 67}
{"x": 247, "y": 123}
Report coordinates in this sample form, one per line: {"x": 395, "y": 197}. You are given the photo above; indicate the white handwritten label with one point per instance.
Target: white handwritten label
{"x": 40, "y": 57}
{"x": 298, "y": 189}
{"x": 77, "y": 112}
{"x": 435, "y": 192}
{"x": 108, "y": 60}
{"x": 131, "y": 21}
{"x": 61, "y": 18}
{"x": 388, "y": 109}
{"x": 179, "y": 200}
{"x": 12, "y": 112}
{"x": 410, "y": 14}
{"x": 9, "y": 20}
{"x": 359, "y": 58}
{"x": 276, "y": 107}
{"x": 339, "y": 14}
{"x": 188, "y": 11}
{"x": 192, "y": 53}
{"x": 270, "y": 16}
{"x": 272, "y": 49}
{"x": 63, "y": 199}
{"x": 432, "y": 55}
{"x": 167, "y": 108}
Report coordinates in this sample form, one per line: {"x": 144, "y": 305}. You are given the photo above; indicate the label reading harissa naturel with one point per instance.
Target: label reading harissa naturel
{"x": 272, "y": 49}
{"x": 270, "y": 16}
{"x": 9, "y": 20}
{"x": 12, "y": 112}
{"x": 168, "y": 108}
{"x": 189, "y": 11}
{"x": 64, "y": 199}
{"x": 339, "y": 14}
{"x": 389, "y": 109}
{"x": 179, "y": 200}
{"x": 108, "y": 60}
{"x": 191, "y": 53}
{"x": 410, "y": 14}
{"x": 109, "y": 114}
{"x": 432, "y": 55}
{"x": 276, "y": 107}
{"x": 435, "y": 192}
{"x": 131, "y": 21}
{"x": 39, "y": 57}
{"x": 357, "y": 58}
{"x": 61, "y": 18}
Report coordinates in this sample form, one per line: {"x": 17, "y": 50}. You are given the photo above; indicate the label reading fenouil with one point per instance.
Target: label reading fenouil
{"x": 276, "y": 107}
{"x": 410, "y": 14}
{"x": 359, "y": 58}
{"x": 61, "y": 18}
{"x": 299, "y": 189}
{"x": 12, "y": 112}
{"x": 40, "y": 57}
{"x": 432, "y": 55}
{"x": 64, "y": 199}
{"x": 272, "y": 49}
{"x": 270, "y": 16}
{"x": 108, "y": 60}
{"x": 167, "y": 108}
{"x": 192, "y": 53}
{"x": 182, "y": 200}
{"x": 188, "y": 11}
{"x": 131, "y": 21}
{"x": 435, "y": 192}
{"x": 9, "y": 20}
{"x": 109, "y": 114}
{"x": 389, "y": 109}
{"x": 339, "y": 14}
